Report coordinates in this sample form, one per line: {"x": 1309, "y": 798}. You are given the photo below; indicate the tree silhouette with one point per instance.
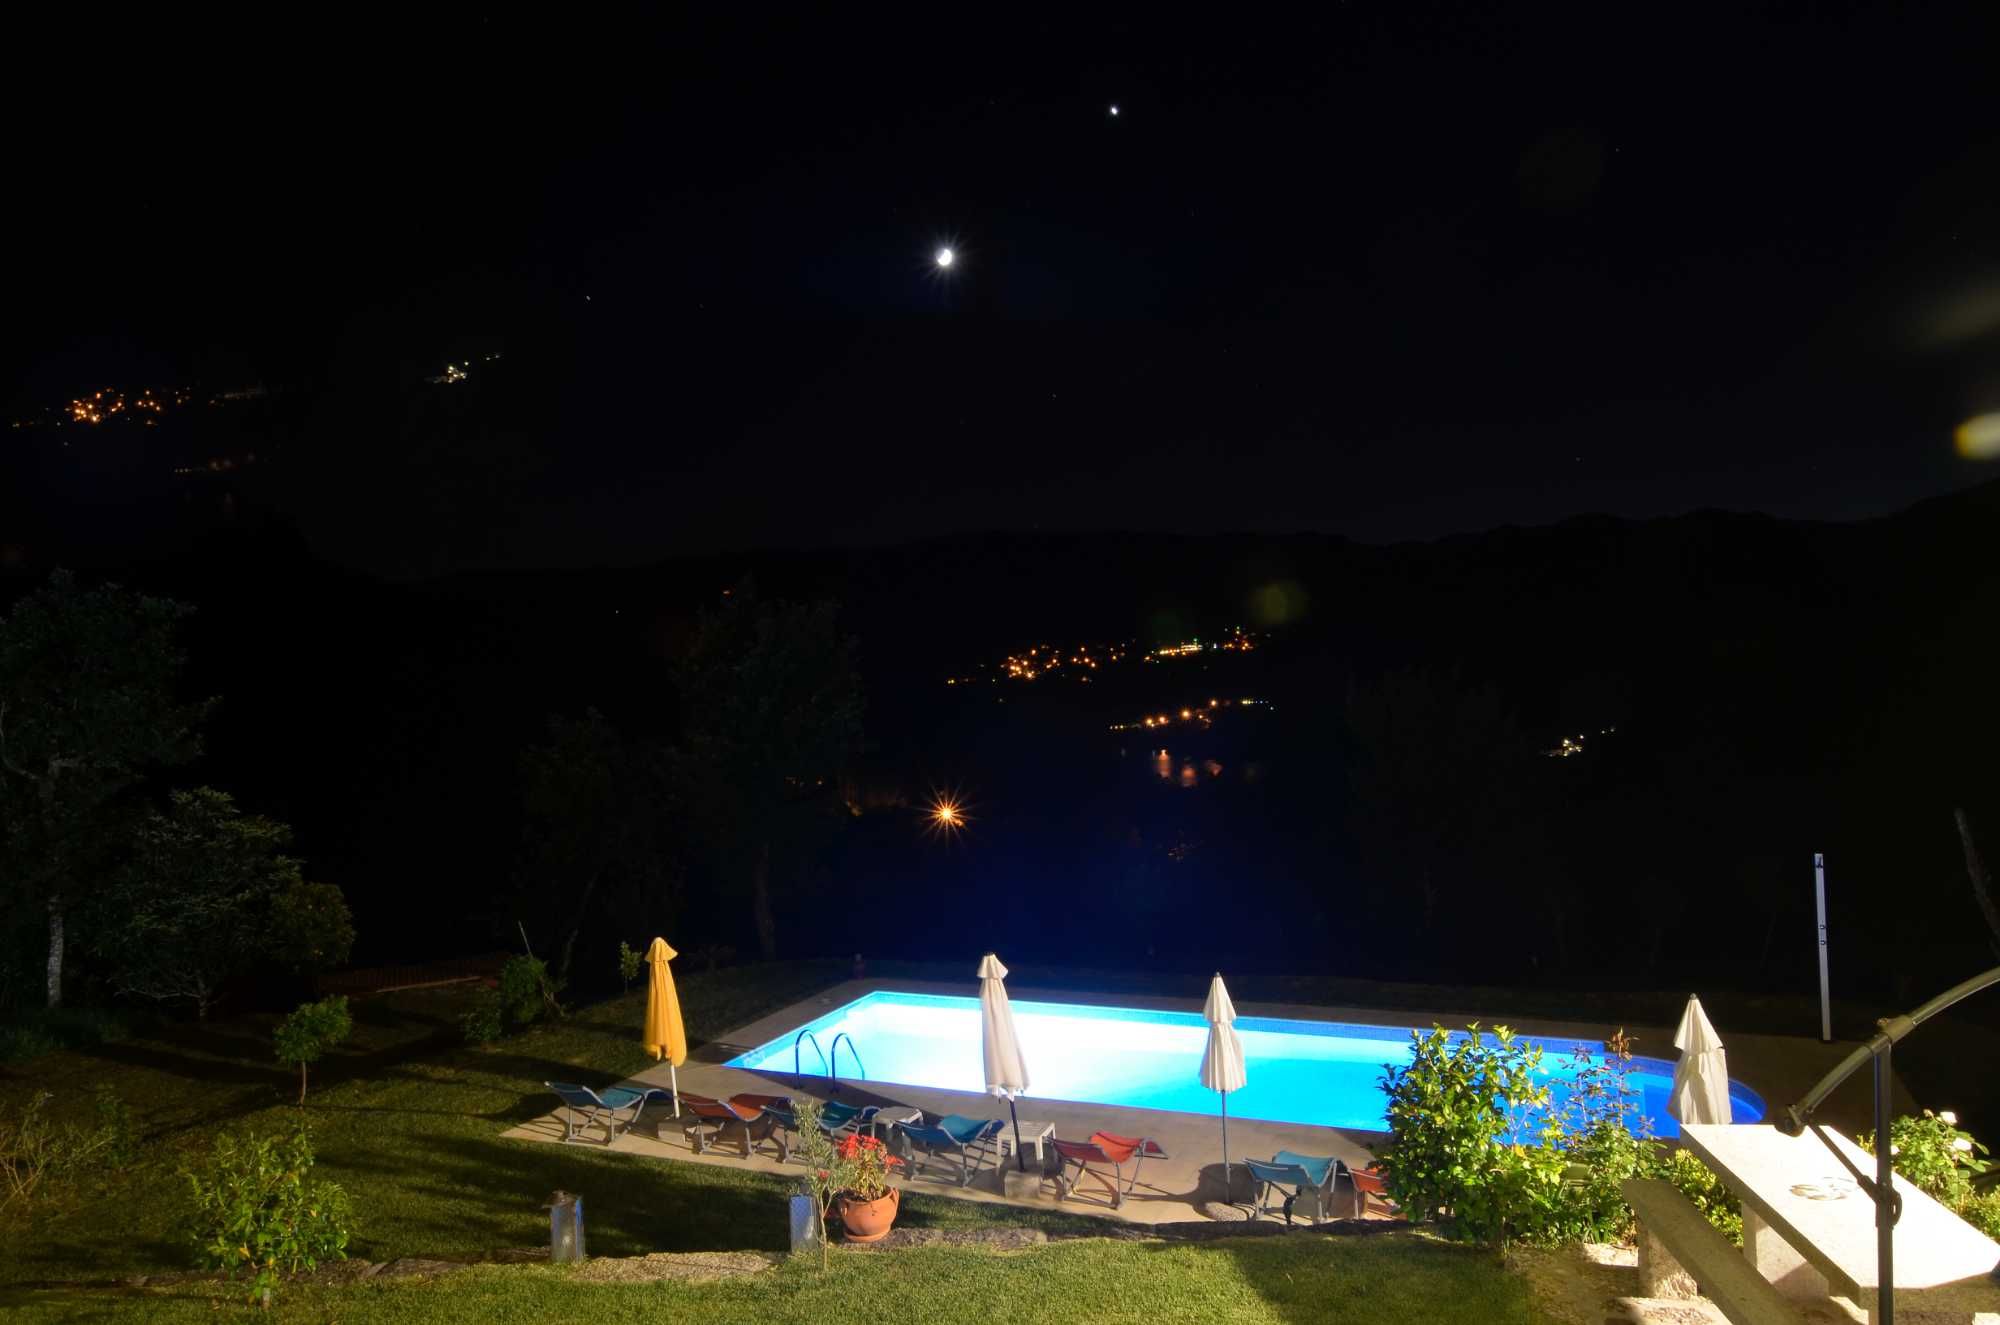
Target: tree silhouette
{"x": 772, "y": 711}
{"x": 87, "y": 711}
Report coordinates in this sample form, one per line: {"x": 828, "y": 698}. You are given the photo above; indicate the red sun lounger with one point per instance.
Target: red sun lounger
{"x": 1104, "y": 1150}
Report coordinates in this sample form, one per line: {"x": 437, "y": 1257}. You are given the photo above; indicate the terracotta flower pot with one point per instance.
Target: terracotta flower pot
{"x": 869, "y": 1221}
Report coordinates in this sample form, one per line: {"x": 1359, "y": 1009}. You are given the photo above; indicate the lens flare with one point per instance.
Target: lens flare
{"x": 945, "y": 816}
{"x": 1979, "y": 437}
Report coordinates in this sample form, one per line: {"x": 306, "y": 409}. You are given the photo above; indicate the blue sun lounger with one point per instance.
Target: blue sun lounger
{"x": 971, "y": 1139}
{"x": 1306, "y": 1179}
{"x": 834, "y": 1118}
{"x": 588, "y": 1108}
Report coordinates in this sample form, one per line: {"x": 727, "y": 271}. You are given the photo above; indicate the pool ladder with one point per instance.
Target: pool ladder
{"x": 826, "y": 1063}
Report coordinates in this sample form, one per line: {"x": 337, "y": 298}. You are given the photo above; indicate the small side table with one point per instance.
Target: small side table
{"x": 889, "y": 1117}
{"x": 1032, "y": 1134}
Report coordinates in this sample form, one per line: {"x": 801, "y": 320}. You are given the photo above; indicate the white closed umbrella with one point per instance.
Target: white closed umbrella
{"x": 1701, "y": 1077}
{"x": 1222, "y": 1062}
{"x": 1006, "y": 1073}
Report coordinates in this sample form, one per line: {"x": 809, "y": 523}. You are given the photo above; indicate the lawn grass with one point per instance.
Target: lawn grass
{"x": 409, "y": 1120}
{"x": 1394, "y": 1279}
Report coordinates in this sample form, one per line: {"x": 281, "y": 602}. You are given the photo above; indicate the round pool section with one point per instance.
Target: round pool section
{"x": 1326, "y": 1074}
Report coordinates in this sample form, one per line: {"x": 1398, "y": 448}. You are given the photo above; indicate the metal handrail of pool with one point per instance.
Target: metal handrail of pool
{"x": 803, "y": 1036}
{"x": 826, "y": 1061}
{"x": 852, "y": 1048}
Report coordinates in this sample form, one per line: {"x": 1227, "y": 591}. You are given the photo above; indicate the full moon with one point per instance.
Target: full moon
{"x": 945, "y": 257}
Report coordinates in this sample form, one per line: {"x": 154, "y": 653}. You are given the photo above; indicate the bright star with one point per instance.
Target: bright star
{"x": 945, "y": 257}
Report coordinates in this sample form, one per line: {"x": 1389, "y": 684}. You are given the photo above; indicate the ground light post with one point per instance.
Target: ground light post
{"x": 1881, "y": 1189}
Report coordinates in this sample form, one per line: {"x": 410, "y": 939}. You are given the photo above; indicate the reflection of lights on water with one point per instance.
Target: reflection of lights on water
{"x": 1979, "y": 437}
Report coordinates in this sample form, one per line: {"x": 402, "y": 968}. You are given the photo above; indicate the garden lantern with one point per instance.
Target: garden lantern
{"x": 565, "y": 1226}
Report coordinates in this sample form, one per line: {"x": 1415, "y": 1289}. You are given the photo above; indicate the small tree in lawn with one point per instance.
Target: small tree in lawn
{"x": 630, "y": 959}
{"x": 826, "y": 1172}
{"x": 310, "y": 928}
{"x": 311, "y": 1030}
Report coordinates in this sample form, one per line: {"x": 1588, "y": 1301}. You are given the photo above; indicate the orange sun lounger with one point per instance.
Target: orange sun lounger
{"x": 1104, "y": 1150}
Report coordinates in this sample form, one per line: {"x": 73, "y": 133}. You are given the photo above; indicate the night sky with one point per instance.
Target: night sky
{"x": 1395, "y": 274}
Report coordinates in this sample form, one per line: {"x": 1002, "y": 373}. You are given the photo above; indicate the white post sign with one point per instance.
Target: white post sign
{"x": 1825, "y": 1005}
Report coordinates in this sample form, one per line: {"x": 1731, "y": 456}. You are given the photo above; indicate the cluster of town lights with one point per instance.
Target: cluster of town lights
{"x": 1199, "y": 715}
{"x": 101, "y": 405}
{"x": 1573, "y": 745}
{"x": 1041, "y": 660}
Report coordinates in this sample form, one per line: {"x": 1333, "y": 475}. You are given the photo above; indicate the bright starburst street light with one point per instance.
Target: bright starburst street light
{"x": 945, "y": 257}
{"x": 945, "y": 816}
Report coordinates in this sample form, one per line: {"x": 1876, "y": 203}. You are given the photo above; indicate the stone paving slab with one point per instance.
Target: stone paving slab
{"x": 1176, "y": 1188}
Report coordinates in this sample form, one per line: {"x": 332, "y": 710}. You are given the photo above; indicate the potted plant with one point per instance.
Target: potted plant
{"x": 867, "y": 1199}
{"x": 853, "y": 1175}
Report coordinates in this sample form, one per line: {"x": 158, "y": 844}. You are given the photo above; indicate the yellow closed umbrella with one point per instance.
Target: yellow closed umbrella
{"x": 665, "y": 1036}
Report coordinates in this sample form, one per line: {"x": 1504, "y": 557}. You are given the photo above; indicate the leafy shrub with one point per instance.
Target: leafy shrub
{"x": 39, "y": 1152}
{"x": 1709, "y": 1193}
{"x": 1472, "y": 1135}
{"x": 526, "y": 991}
{"x": 1932, "y": 1153}
{"x": 257, "y": 1211}
{"x": 1983, "y": 1213}
{"x": 630, "y": 959}
{"x": 483, "y": 1023}
{"x": 311, "y": 1030}
{"x": 311, "y": 928}
{"x": 119, "y": 1134}
{"x": 1605, "y": 1137}
{"x": 1456, "y": 1118}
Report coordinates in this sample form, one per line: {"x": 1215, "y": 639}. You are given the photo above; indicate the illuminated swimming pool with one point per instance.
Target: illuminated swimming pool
{"x": 1318, "y": 1072}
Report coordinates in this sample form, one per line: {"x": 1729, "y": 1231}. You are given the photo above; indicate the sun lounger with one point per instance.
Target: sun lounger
{"x": 747, "y": 1114}
{"x": 1366, "y": 1182}
{"x": 589, "y": 1108}
{"x": 1303, "y": 1179}
{"x": 970, "y": 1139}
{"x": 1105, "y": 1150}
{"x": 834, "y": 1118}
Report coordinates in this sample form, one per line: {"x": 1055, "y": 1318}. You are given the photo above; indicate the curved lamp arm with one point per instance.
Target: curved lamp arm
{"x": 1796, "y": 1118}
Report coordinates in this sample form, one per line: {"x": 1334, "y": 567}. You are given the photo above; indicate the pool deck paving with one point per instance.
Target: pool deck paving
{"x": 1188, "y": 1184}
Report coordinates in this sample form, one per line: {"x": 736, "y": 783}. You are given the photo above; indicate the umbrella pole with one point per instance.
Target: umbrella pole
{"x": 674, "y": 1075}
{"x": 1228, "y": 1187}
{"x": 1020, "y": 1160}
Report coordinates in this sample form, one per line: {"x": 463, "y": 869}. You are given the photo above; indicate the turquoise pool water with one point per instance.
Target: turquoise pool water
{"x": 1318, "y": 1072}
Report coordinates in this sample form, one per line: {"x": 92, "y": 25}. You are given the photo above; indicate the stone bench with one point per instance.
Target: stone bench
{"x": 1809, "y": 1228}
{"x": 1681, "y": 1253}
